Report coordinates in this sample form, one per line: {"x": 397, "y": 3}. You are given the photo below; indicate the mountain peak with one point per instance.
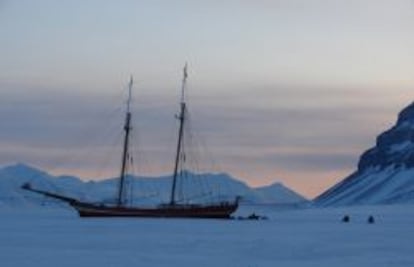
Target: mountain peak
{"x": 279, "y": 193}
{"x": 407, "y": 114}
{"x": 22, "y": 169}
{"x": 394, "y": 146}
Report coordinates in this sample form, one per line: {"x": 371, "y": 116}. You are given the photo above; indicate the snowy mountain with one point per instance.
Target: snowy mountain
{"x": 11, "y": 179}
{"x": 143, "y": 190}
{"x": 278, "y": 193}
{"x": 385, "y": 173}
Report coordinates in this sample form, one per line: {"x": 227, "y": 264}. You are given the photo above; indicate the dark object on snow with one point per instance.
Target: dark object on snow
{"x": 346, "y": 219}
{"x": 253, "y": 216}
{"x": 371, "y": 219}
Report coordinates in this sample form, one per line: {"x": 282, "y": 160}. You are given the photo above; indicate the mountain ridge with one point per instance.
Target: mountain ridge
{"x": 146, "y": 190}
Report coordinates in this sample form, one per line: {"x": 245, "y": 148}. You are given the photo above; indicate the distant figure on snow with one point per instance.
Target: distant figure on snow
{"x": 346, "y": 219}
{"x": 371, "y": 219}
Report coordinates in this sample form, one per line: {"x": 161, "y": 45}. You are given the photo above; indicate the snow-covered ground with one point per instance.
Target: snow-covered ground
{"x": 291, "y": 237}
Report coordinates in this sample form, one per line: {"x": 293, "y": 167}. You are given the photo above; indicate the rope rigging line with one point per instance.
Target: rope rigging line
{"x": 89, "y": 125}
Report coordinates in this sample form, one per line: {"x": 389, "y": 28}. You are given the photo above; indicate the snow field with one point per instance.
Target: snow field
{"x": 296, "y": 237}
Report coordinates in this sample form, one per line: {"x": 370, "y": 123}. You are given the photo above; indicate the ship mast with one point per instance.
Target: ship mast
{"x": 127, "y": 128}
{"x": 181, "y": 118}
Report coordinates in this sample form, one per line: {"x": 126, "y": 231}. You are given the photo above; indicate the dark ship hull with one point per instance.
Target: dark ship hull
{"x": 219, "y": 211}
{"x": 222, "y": 210}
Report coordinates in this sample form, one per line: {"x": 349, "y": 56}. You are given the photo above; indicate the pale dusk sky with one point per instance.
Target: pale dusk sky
{"x": 290, "y": 91}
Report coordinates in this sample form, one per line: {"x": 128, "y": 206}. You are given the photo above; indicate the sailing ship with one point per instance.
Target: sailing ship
{"x": 171, "y": 209}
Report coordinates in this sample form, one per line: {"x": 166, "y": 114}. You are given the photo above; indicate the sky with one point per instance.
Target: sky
{"x": 288, "y": 91}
